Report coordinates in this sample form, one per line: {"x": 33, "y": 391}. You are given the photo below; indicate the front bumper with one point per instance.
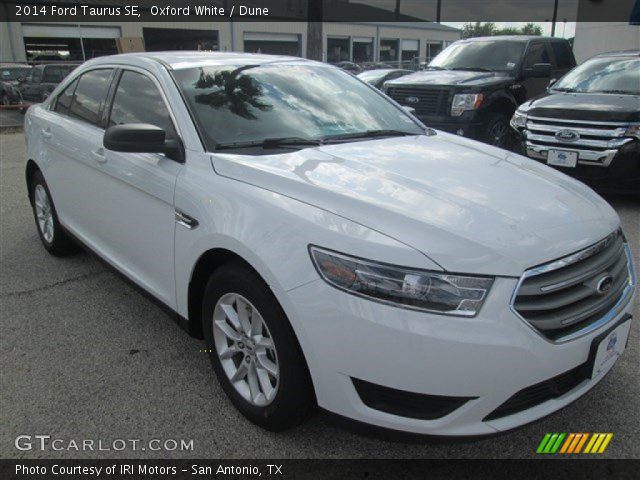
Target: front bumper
{"x": 484, "y": 360}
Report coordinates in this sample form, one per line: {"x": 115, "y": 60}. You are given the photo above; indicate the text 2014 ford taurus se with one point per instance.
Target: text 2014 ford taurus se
{"x": 331, "y": 249}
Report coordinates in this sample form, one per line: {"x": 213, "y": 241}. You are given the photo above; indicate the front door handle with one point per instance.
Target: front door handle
{"x": 46, "y": 133}
{"x": 99, "y": 155}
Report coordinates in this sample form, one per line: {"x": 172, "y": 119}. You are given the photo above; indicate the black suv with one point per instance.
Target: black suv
{"x": 473, "y": 86}
{"x": 588, "y": 123}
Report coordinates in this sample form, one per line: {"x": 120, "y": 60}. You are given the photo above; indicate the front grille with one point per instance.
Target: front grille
{"x": 407, "y": 404}
{"x": 596, "y": 142}
{"x": 565, "y": 297}
{"x": 430, "y": 101}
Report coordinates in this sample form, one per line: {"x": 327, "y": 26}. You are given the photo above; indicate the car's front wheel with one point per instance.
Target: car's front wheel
{"x": 498, "y": 132}
{"x": 254, "y": 351}
{"x": 53, "y": 237}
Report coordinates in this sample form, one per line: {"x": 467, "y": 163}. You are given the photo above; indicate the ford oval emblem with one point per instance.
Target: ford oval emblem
{"x": 412, "y": 99}
{"x": 567, "y": 135}
{"x": 604, "y": 284}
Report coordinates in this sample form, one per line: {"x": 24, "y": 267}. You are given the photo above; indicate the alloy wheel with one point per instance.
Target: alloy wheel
{"x": 498, "y": 134}
{"x": 246, "y": 349}
{"x": 44, "y": 213}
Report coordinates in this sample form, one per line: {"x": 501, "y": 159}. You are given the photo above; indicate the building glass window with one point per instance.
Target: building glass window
{"x": 389, "y": 50}
{"x": 338, "y": 49}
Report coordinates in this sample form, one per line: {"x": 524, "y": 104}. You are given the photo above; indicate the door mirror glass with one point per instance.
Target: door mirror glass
{"x": 540, "y": 70}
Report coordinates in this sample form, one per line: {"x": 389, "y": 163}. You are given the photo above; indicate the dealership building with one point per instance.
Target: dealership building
{"x": 358, "y": 42}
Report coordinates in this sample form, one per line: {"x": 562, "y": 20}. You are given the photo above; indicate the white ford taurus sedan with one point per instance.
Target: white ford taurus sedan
{"x": 330, "y": 249}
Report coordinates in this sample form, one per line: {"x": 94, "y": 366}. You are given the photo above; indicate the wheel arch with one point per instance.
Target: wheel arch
{"x": 500, "y": 103}
{"x": 30, "y": 171}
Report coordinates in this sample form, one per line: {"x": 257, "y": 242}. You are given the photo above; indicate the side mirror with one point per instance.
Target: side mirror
{"x": 551, "y": 82}
{"x": 540, "y": 70}
{"x": 141, "y": 138}
{"x": 408, "y": 109}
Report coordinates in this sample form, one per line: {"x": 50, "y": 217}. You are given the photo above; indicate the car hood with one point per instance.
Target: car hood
{"x": 601, "y": 107}
{"x": 467, "y": 206}
{"x": 463, "y": 78}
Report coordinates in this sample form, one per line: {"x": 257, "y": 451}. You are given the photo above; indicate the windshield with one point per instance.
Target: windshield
{"x": 603, "y": 75}
{"x": 253, "y": 103}
{"x": 14, "y": 73}
{"x": 372, "y": 75}
{"x": 499, "y": 55}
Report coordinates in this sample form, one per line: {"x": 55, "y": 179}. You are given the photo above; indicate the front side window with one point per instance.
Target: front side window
{"x": 253, "y": 103}
{"x": 36, "y": 76}
{"x": 494, "y": 55}
{"x": 14, "y": 73}
{"x": 137, "y": 100}
{"x": 90, "y": 94}
{"x": 65, "y": 98}
{"x": 617, "y": 75}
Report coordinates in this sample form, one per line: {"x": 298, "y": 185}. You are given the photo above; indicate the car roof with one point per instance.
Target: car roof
{"x": 187, "y": 59}
{"x": 619, "y": 53}
{"x": 519, "y": 38}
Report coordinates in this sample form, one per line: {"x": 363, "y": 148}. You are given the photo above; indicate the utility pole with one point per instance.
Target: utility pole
{"x": 555, "y": 17}
{"x": 439, "y": 10}
{"x": 314, "y": 30}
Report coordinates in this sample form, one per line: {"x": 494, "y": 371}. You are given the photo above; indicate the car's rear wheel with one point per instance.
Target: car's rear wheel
{"x": 254, "y": 351}
{"x": 54, "y": 239}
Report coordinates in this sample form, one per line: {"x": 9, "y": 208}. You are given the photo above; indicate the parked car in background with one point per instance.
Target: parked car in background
{"x": 588, "y": 123}
{"x": 43, "y": 79}
{"x": 330, "y": 249}
{"x": 10, "y": 76}
{"x": 378, "y": 77}
{"x": 473, "y": 86}
{"x": 349, "y": 67}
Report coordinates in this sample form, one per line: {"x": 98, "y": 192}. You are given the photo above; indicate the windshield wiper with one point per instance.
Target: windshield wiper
{"x": 624, "y": 92}
{"x": 271, "y": 143}
{"x": 370, "y": 134}
{"x": 472, "y": 69}
{"x": 564, "y": 90}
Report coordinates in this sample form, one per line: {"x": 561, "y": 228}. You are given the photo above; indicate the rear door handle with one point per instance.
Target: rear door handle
{"x": 46, "y": 133}
{"x": 99, "y": 155}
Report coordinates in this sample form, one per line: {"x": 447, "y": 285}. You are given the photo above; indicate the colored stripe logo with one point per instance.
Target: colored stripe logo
{"x": 573, "y": 443}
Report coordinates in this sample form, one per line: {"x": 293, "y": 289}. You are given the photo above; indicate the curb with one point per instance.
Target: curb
{"x": 11, "y": 129}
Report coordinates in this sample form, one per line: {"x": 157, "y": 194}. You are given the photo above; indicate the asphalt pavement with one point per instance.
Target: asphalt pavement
{"x": 85, "y": 357}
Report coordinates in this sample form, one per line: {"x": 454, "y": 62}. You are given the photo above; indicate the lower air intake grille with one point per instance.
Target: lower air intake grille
{"x": 407, "y": 404}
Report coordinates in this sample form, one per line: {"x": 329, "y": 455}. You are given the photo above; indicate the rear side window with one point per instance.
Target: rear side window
{"x": 65, "y": 98}
{"x": 36, "y": 76}
{"x": 562, "y": 53}
{"x": 137, "y": 100}
{"x": 52, "y": 74}
{"x": 537, "y": 53}
{"x": 90, "y": 95}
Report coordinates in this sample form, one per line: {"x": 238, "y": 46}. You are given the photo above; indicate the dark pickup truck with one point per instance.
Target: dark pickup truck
{"x": 588, "y": 123}
{"x": 43, "y": 79}
{"x": 473, "y": 86}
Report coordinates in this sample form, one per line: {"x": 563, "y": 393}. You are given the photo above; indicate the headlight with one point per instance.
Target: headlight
{"x": 465, "y": 101}
{"x": 633, "y": 131}
{"x": 519, "y": 120}
{"x": 404, "y": 287}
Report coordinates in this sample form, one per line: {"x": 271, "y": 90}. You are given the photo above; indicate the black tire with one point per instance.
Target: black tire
{"x": 294, "y": 400}
{"x": 498, "y": 131}
{"x": 60, "y": 244}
